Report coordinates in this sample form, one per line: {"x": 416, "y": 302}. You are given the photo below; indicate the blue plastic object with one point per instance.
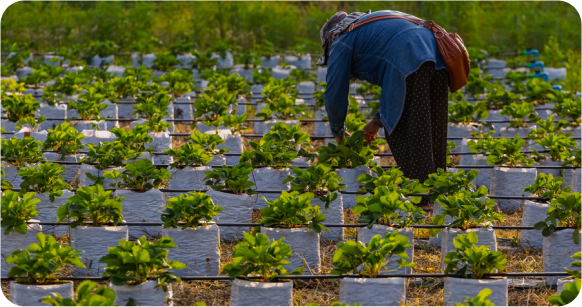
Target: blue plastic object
{"x": 557, "y": 88}
{"x": 538, "y": 66}
{"x": 533, "y": 52}
{"x": 542, "y": 75}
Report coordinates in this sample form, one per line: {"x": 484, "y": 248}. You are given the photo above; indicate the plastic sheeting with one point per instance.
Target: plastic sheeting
{"x": 304, "y": 244}
{"x": 365, "y": 235}
{"x": 507, "y": 181}
{"x": 15, "y": 241}
{"x": 94, "y": 242}
{"x": 145, "y": 294}
{"x": 303, "y": 62}
{"x": 237, "y": 209}
{"x": 254, "y": 293}
{"x": 47, "y": 210}
{"x": 142, "y": 207}
{"x": 198, "y": 248}
{"x": 188, "y": 178}
{"x": 558, "y": 250}
{"x": 533, "y": 212}
{"x": 333, "y": 215}
{"x": 161, "y": 141}
{"x": 350, "y": 175}
{"x": 373, "y": 291}
{"x": 269, "y": 179}
{"x": 96, "y": 136}
{"x": 270, "y": 62}
{"x": 486, "y": 237}
{"x": 30, "y": 295}
{"x": 456, "y": 289}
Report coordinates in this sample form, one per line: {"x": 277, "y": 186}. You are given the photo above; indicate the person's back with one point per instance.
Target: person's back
{"x": 403, "y": 58}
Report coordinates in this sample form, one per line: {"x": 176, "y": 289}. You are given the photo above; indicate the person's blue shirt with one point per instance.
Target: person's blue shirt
{"x": 383, "y": 53}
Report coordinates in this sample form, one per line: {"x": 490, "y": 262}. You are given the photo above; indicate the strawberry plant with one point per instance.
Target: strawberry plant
{"x": 301, "y": 75}
{"x": 43, "y": 178}
{"x": 141, "y": 175}
{"x": 234, "y": 179}
{"x": 257, "y": 257}
{"x": 555, "y": 145}
{"x": 466, "y": 209}
{"x": 351, "y": 152}
{"x": 273, "y": 151}
{"x": 164, "y": 62}
{"x": 482, "y": 299}
{"x": 502, "y": 152}
{"x": 477, "y": 84}
{"x": 387, "y": 207}
{"x": 448, "y": 183}
{"x": 88, "y": 293}
{"x": 472, "y": 261}
{"x": 149, "y": 106}
{"x": 292, "y": 210}
{"x": 248, "y": 60}
{"x": 518, "y": 112}
{"x": 204, "y": 60}
{"x": 156, "y": 124}
{"x": 17, "y": 210}
{"x": 465, "y": 113}
{"x": 5, "y": 184}
{"x": 236, "y": 123}
{"x": 101, "y": 48}
{"x": 515, "y": 80}
{"x": 537, "y": 91}
{"x": 91, "y": 205}
{"x": 576, "y": 264}
{"x": 497, "y": 98}
{"x": 128, "y": 87}
{"x": 317, "y": 179}
{"x": 291, "y": 138}
{"x": 547, "y": 186}
{"x": 278, "y": 87}
{"x": 261, "y": 77}
{"x": 238, "y": 86}
{"x": 546, "y": 127}
{"x": 564, "y": 211}
{"x": 89, "y": 105}
{"x": 108, "y": 154}
{"x": 370, "y": 259}
{"x": 20, "y": 152}
{"x": 284, "y": 107}
{"x": 41, "y": 262}
{"x": 64, "y": 139}
{"x": 213, "y": 105}
{"x": 189, "y": 210}
{"x": 134, "y": 262}
{"x": 199, "y": 150}
{"x": 20, "y": 106}
{"x": 394, "y": 179}
{"x": 134, "y": 139}
{"x": 570, "y": 109}
{"x": 568, "y": 295}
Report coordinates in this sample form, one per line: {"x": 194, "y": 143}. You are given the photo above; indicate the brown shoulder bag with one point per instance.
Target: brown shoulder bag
{"x": 450, "y": 45}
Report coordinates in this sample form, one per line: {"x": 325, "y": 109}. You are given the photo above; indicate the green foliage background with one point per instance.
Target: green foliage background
{"x": 512, "y": 24}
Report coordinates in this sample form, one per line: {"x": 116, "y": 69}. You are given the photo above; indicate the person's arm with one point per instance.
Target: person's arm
{"x": 338, "y": 86}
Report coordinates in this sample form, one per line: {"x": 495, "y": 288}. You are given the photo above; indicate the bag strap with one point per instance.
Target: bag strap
{"x": 427, "y": 24}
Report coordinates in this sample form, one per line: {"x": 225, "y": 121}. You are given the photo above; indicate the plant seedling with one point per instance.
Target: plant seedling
{"x": 189, "y": 210}
{"x": 17, "y": 210}
{"x": 92, "y": 205}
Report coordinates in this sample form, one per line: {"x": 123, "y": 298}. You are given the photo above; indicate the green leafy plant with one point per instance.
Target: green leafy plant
{"x": 133, "y": 263}
{"x": 482, "y": 299}
{"x": 466, "y": 209}
{"x": 448, "y": 183}
{"x": 109, "y": 154}
{"x": 261, "y": 76}
{"x": 91, "y": 205}
{"x": 576, "y": 264}
{"x": 17, "y": 210}
{"x": 20, "y": 106}
{"x": 517, "y": 112}
{"x": 204, "y": 60}
{"x": 556, "y": 146}
{"x": 477, "y": 84}
{"x": 134, "y": 139}
{"x": 238, "y": 86}
{"x": 43, "y": 178}
{"x": 465, "y": 113}
{"x": 564, "y": 211}
{"x": 150, "y": 106}
{"x": 568, "y": 295}
{"x": 292, "y": 210}
{"x": 516, "y": 80}
{"x": 570, "y": 109}
{"x": 351, "y": 152}
{"x": 89, "y": 105}
{"x": 278, "y": 87}
{"x": 537, "y": 91}
{"x": 41, "y": 262}
{"x": 248, "y": 60}
{"x": 234, "y": 179}
{"x": 101, "y": 48}
{"x": 189, "y": 210}
{"x": 394, "y": 179}
{"x": 472, "y": 261}
{"x": 317, "y": 179}
{"x": 141, "y": 175}
{"x": 5, "y": 184}
{"x": 213, "y": 105}
{"x": 387, "y": 207}
{"x": 370, "y": 259}
{"x": 499, "y": 97}
{"x": 271, "y": 151}
{"x": 502, "y": 152}
{"x": 164, "y": 62}
{"x": 547, "y": 186}
{"x": 88, "y": 293}
{"x": 283, "y": 108}
{"x": 64, "y": 139}
{"x": 20, "y": 152}
{"x": 257, "y": 257}
{"x": 199, "y": 150}
{"x": 290, "y": 138}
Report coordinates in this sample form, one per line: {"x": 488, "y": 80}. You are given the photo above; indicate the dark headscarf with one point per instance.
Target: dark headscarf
{"x": 325, "y": 33}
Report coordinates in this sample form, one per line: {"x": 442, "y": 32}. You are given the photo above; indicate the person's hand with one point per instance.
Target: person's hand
{"x": 338, "y": 139}
{"x": 372, "y": 129}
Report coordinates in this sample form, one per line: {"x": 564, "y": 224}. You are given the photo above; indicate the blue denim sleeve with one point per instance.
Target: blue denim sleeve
{"x": 338, "y": 86}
